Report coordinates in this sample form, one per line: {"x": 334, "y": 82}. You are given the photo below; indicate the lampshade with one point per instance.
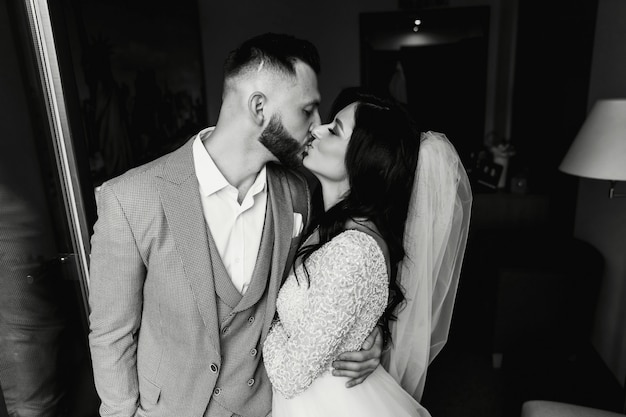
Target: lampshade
{"x": 599, "y": 150}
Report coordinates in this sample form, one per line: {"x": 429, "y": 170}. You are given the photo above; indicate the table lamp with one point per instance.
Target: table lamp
{"x": 599, "y": 149}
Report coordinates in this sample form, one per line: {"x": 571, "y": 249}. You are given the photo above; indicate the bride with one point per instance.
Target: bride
{"x": 387, "y": 251}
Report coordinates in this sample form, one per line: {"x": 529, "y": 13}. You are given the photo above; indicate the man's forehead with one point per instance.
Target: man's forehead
{"x": 308, "y": 98}
{"x": 306, "y": 79}
{"x": 302, "y": 90}
{"x": 305, "y": 72}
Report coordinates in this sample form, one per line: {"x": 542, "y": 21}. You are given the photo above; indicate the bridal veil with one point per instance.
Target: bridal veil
{"x": 435, "y": 238}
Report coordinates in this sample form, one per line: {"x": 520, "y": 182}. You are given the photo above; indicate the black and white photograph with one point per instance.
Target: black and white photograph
{"x": 372, "y": 208}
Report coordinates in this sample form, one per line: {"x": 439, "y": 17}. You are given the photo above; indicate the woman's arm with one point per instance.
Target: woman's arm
{"x": 345, "y": 286}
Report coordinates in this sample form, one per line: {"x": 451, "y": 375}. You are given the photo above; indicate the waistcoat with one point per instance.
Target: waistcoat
{"x": 242, "y": 387}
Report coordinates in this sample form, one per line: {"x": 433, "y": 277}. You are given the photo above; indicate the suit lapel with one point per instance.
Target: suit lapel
{"x": 282, "y": 210}
{"x": 180, "y": 197}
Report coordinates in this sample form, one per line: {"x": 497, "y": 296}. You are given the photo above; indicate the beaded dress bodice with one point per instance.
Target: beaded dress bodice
{"x": 334, "y": 313}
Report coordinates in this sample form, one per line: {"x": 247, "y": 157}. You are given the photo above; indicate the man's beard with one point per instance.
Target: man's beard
{"x": 281, "y": 144}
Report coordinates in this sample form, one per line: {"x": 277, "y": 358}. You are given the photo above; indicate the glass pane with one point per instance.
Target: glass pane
{"x": 45, "y": 367}
{"x": 136, "y": 76}
{"x": 90, "y": 89}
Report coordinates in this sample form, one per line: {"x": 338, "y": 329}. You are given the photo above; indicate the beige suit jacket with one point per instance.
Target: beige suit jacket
{"x": 154, "y": 331}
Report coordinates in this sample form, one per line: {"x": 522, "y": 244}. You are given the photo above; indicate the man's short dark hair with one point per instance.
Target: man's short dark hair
{"x": 276, "y": 51}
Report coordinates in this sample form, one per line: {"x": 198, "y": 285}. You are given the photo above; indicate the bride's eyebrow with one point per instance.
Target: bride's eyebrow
{"x": 339, "y": 124}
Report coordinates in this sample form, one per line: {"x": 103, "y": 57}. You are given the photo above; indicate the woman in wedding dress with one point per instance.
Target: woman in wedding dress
{"x": 354, "y": 269}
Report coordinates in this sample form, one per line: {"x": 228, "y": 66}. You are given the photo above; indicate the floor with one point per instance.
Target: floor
{"x": 463, "y": 383}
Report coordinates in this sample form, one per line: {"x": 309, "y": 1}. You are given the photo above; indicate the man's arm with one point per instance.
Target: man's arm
{"x": 359, "y": 365}
{"x": 117, "y": 274}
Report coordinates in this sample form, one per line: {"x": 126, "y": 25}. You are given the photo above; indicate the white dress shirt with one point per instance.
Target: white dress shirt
{"x": 236, "y": 228}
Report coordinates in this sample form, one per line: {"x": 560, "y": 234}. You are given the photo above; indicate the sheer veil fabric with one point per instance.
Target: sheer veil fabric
{"x": 435, "y": 239}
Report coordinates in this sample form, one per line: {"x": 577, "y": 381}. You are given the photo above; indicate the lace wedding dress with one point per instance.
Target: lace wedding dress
{"x": 334, "y": 313}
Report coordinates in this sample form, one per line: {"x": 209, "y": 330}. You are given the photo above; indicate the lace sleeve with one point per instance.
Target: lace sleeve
{"x": 348, "y": 293}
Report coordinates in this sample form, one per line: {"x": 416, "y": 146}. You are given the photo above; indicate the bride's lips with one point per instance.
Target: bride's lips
{"x": 307, "y": 146}
{"x": 304, "y": 151}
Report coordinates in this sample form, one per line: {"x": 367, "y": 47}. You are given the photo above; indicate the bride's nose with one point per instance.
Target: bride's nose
{"x": 316, "y": 131}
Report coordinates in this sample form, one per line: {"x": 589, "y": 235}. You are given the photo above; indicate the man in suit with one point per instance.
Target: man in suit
{"x": 189, "y": 251}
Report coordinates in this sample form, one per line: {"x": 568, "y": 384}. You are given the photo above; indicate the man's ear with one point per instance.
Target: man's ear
{"x": 256, "y": 107}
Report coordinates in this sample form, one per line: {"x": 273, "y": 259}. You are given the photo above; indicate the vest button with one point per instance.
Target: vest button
{"x": 253, "y": 352}
{"x": 251, "y": 382}
{"x": 217, "y": 391}
{"x": 214, "y": 368}
{"x": 251, "y": 319}
{"x": 225, "y": 330}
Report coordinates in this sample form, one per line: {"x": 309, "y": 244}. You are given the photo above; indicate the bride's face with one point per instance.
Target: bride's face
{"x": 326, "y": 154}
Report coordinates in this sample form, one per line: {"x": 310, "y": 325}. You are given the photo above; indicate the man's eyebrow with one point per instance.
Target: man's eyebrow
{"x": 315, "y": 103}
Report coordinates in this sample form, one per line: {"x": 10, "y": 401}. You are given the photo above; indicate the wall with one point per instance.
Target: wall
{"x": 226, "y": 24}
{"x": 501, "y": 64}
{"x": 600, "y": 221}
{"x": 333, "y": 26}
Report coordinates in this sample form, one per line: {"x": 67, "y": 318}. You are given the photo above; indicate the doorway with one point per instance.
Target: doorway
{"x": 434, "y": 60}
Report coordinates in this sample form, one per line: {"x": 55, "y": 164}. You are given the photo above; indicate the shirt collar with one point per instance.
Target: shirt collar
{"x": 209, "y": 176}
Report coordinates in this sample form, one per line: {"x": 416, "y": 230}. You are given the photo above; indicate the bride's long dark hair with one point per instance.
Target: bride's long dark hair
{"x": 380, "y": 162}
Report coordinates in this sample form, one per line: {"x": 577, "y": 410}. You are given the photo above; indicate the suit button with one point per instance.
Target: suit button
{"x": 251, "y": 382}
{"x": 251, "y": 319}
{"x": 225, "y": 330}
{"x": 214, "y": 368}
{"x": 253, "y": 352}
{"x": 217, "y": 391}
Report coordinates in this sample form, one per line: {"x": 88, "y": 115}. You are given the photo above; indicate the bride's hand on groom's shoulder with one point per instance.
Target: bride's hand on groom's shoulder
{"x": 359, "y": 365}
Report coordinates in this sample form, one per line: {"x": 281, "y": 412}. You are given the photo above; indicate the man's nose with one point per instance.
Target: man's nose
{"x": 317, "y": 120}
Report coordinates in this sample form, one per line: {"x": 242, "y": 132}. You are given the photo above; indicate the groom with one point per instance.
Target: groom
{"x": 189, "y": 251}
